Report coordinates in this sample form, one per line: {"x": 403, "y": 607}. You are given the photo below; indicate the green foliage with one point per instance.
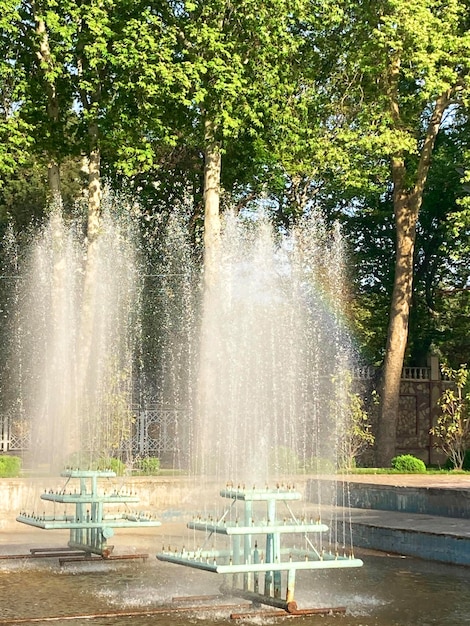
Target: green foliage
{"x": 441, "y": 304}
{"x": 408, "y": 464}
{"x": 440, "y": 311}
{"x": 452, "y": 428}
{"x": 359, "y": 435}
{"x": 301, "y": 118}
{"x": 355, "y": 429}
{"x": 10, "y": 466}
{"x": 453, "y": 316}
{"x": 148, "y": 465}
{"x": 111, "y": 463}
{"x": 15, "y": 133}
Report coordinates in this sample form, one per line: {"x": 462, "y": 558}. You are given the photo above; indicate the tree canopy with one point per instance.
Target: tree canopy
{"x": 360, "y": 108}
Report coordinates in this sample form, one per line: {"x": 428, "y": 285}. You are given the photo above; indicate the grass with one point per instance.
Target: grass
{"x": 390, "y": 470}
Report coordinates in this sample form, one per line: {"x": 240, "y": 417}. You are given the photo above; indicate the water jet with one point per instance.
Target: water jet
{"x": 262, "y": 385}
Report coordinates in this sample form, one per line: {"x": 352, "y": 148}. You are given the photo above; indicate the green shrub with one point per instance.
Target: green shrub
{"x": 111, "y": 463}
{"x": 10, "y": 466}
{"x": 407, "y": 463}
{"x": 149, "y": 465}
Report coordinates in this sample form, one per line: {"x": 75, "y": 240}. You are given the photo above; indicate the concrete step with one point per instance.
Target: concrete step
{"x": 435, "y": 538}
{"x": 429, "y": 521}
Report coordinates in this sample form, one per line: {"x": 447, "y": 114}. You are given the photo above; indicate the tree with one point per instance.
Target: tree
{"x": 48, "y": 69}
{"x": 15, "y": 133}
{"x": 439, "y": 313}
{"x": 38, "y": 109}
{"x": 236, "y": 61}
{"x": 355, "y": 432}
{"x": 441, "y": 256}
{"x": 76, "y": 67}
{"x": 392, "y": 75}
{"x": 403, "y": 66}
{"x": 43, "y": 55}
{"x": 425, "y": 65}
{"x": 452, "y": 429}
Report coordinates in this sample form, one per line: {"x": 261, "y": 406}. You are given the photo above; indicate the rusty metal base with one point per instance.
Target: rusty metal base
{"x": 101, "y": 559}
{"x": 280, "y": 607}
{"x": 338, "y": 610}
{"x": 67, "y": 555}
{"x": 41, "y": 553}
{"x": 169, "y": 610}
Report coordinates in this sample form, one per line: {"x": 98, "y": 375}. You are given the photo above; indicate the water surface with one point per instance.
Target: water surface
{"x": 387, "y": 591}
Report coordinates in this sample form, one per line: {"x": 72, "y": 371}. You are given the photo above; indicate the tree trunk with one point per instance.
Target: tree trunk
{"x": 94, "y": 192}
{"x": 46, "y": 63}
{"x": 212, "y": 171}
{"x": 53, "y": 179}
{"x": 407, "y": 205}
{"x": 207, "y": 360}
{"x": 405, "y": 223}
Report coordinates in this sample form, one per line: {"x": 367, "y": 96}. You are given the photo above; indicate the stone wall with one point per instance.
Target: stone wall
{"x": 418, "y": 410}
{"x": 420, "y": 389}
{"x": 437, "y": 501}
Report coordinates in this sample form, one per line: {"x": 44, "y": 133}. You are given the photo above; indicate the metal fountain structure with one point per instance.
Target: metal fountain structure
{"x": 257, "y": 574}
{"x": 89, "y": 524}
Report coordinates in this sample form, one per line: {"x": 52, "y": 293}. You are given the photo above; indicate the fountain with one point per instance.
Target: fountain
{"x": 274, "y": 361}
{"x": 89, "y": 525}
{"x": 263, "y": 381}
{"x": 244, "y": 557}
{"x": 76, "y": 329}
{"x": 77, "y": 326}
{"x": 274, "y": 355}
